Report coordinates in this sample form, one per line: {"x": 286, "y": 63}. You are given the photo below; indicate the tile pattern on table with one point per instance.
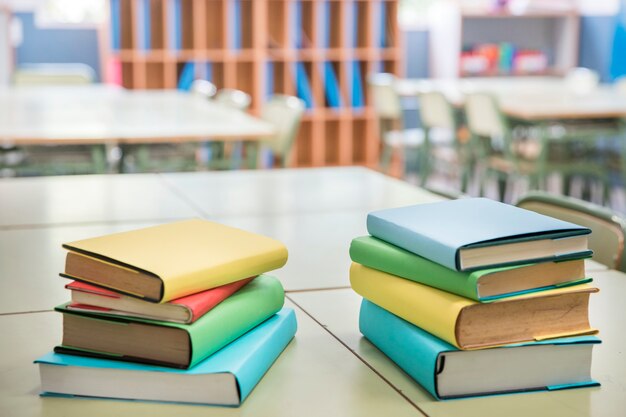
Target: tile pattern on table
{"x": 337, "y": 310}
{"x": 314, "y": 376}
{"x": 303, "y": 190}
{"x": 87, "y": 199}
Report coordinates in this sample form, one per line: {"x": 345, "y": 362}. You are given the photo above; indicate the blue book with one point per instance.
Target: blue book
{"x": 142, "y": 18}
{"x": 324, "y": 24}
{"x": 297, "y": 24}
{"x": 446, "y": 372}
{"x": 358, "y": 101}
{"x": 331, "y": 86}
{"x": 236, "y": 24}
{"x": 187, "y": 75}
{"x": 225, "y": 378}
{"x": 303, "y": 87}
{"x": 115, "y": 25}
{"x": 476, "y": 233}
{"x": 269, "y": 80}
{"x": 175, "y": 31}
{"x": 382, "y": 41}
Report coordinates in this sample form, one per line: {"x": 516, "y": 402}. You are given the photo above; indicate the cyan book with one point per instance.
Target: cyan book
{"x": 446, "y": 372}
{"x": 225, "y": 378}
{"x": 476, "y": 233}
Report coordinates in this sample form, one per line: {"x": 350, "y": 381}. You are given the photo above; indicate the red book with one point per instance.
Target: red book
{"x": 87, "y": 297}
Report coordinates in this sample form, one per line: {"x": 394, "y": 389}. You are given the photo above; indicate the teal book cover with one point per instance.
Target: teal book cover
{"x": 441, "y": 231}
{"x": 240, "y": 312}
{"x": 247, "y": 359}
{"x": 423, "y": 357}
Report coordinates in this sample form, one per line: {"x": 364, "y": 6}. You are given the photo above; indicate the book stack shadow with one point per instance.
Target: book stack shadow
{"x": 180, "y": 312}
{"x": 473, "y": 297}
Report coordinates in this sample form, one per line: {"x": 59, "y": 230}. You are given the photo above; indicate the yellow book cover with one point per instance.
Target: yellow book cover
{"x": 169, "y": 261}
{"x": 468, "y": 324}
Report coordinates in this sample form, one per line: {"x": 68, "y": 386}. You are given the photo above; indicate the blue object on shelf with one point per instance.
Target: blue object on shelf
{"x": 303, "y": 87}
{"x": 331, "y": 86}
{"x": 358, "y": 101}
{"x": 115, "y": 25}
{"x": 269, "y": 82}
{"x": 324, "y": 24}
{"x": 187, "y": 75}
{"x": 618, "y": 58}
{"x": 297, "y": 24}
{"x": 236, "y": 24}
{"x": 142, "y": 18}
{"x": 175, "y": 33}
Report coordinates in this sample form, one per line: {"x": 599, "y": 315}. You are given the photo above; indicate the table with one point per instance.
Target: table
{"x": 328, "y": 369}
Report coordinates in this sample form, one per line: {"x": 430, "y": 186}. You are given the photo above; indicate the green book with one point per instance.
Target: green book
{"x": 482, "y": 285}
{"x": 166, "y": 343}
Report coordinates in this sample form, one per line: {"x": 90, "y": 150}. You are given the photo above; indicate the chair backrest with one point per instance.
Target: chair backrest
{"x": 54, "y": 74}
{"x": 484, "y": 117}
{"x": 436, "y": 111}
{"x": 581, "y": 80}
{"x": 233, "y": 98}
{"x": 384, "y": 97}
{"x": 203, "y": 88}
{"x": 284, "y": 113}
{"x": 608, "y": 228}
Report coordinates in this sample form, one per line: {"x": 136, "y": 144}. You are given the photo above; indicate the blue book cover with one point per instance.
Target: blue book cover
{"x": 175, "y": 31}
{"x": 115, "y": 25}
{"x": 358, "y": 101}
{"x": 236, "y": 24}
{"x": 269, "y": 80}
{"x": 331, "y": 86}
{"x": 446, "y": 372}
{"x": 246, "y": 360}
{"x": 143, "y": 22}
{"x": 449, "y": 232}
{"x": 187, "y": 75}
{"x": 303, "y": 86}
{"x": 296, "y": 29}
{"x": 382, "y": 15}
{"x": 324, "y": 24}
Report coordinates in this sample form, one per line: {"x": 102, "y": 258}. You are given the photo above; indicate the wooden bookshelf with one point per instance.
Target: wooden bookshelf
{"x": 266, "y": 53}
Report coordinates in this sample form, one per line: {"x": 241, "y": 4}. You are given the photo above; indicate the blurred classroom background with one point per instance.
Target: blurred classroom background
{"x": 478, "y": 97}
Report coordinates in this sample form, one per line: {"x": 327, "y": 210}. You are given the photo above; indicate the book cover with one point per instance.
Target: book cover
{"x": 175, "y": 259}
{"x": 303, "y": 86}
{"x": 483, "y": 285}
{"x": 175, "y": 22}
{"x": 115, "y": 24}
{"x": 188, "y": 309}
{"x": 331, "y": 86}
{"x": 468, "y": 324}
{"x": 246, "y": 360}
{"x": 444, "y": 231}
{"x": 358, "y": 100}
{"x": 239, "y": 313}
{"x": 546, "y": 365}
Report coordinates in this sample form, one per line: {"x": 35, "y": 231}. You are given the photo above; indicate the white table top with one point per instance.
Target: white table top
{"x": 329, "y": 369}
{"x": 529, "y": 98}
{"x": 100, "y": 114}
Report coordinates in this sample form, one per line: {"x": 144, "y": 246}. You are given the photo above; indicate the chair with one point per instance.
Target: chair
{"x": 388, "y": 110}
{"x": 284, "y": 113}
{"x": 441, "y": 142}
{"x": 608, "y": 228}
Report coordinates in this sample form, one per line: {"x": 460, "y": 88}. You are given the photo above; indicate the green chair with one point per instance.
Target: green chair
{"x": 284, "y": 113}
{"x": 608, "y": 228}
{"x": 387, "y": 106}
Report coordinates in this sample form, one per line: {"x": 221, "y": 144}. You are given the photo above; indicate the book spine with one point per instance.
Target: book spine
{"x": 376, "y": 254}
{"x": 411, "y": 348}
{"x": 431, "y": 309}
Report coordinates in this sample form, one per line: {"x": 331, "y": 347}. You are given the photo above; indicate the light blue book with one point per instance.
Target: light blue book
{"x": 187, "y": 75}
{"x": 382, "y": 15}
{"x": 175, "y": 31}
{"x": 296, "y": 28}
{"x": 269, "y": 80}
{"x": 324, "y": 24}
{"x": 115, "y": 25}
{"x": 236, "y": 24}
{"x": 476, "y": 233}
{"x": 303, "y": 86}
{"x": 331, "y": 86}
{"x": 143, "y": 22}
{"x": 358, "y": 101}
{"x": 225, "y": 378}
{"x": 446, "y": 372}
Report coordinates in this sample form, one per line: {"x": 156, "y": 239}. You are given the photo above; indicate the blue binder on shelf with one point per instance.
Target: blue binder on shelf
{"x": 358, "y": 101}
{"x": 187, "y": 75}
{"x": 303, "y": 87}
{"x": 331, "y": 86}
{"x": 175, "y": 31}
{"x": 143, "y": 22}
{"x": 115, "y": 25}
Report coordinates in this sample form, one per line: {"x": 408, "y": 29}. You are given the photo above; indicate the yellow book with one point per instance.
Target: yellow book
{"x": 468, "y": 324}
{"x": 170, "y": 261}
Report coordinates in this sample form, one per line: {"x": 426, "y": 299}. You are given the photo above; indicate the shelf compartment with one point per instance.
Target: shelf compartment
{"x": 215, "y": 18}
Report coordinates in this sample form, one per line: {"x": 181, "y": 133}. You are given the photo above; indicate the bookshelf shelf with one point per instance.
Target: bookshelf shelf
{"x": 319, "y": 50}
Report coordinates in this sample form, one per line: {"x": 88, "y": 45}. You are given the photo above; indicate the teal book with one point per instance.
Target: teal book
{"x": 225, "y": 378}
{"x": 483, "y": 285}
{"x": 477, "y": 233}
{"x": 446, "y": 372}
{"x": 166, "y": 343}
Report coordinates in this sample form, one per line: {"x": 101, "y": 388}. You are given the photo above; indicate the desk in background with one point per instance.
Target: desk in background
{"x": 329, "y": 369}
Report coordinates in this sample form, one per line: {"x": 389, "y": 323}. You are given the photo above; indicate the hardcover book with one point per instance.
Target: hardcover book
{"x": 447, "y": 372}
{"x": 171, "y": 344}
{"x": 477, "y": 233}
{"x": 483, "y": 285}
{"x": 225, "y": 378}
{"x": 169, "y": 261}
{"x": 188, "y": 309}
{"x": 468, "y": 324}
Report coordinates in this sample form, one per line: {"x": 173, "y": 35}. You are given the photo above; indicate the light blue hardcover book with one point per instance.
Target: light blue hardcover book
{"x": 303, "y": 87}
{"x": 331, "y": 86}
{"x": 475, "y": 233}
{"x": 297, "y": 24}
{"x": 187, "y": 75}
{"x": 446, "y": 372}
{"x": 324, "y": 24}
{"x": 358, "y": 101}
{"x": 115, "y": 24}
{"x": 225, "y": 378}
{"x": 143, "y": 24}
{"x": 236, "y": 24}
{"x": 175, "y": 32}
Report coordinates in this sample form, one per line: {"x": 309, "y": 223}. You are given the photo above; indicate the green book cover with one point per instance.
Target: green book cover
{"x": 242, "y": 311}
{"x": 377, "y": 254}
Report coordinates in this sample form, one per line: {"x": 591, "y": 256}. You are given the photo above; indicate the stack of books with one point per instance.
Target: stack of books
{"x": 475, "y": 297}
{"x": 179, "y": 312}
